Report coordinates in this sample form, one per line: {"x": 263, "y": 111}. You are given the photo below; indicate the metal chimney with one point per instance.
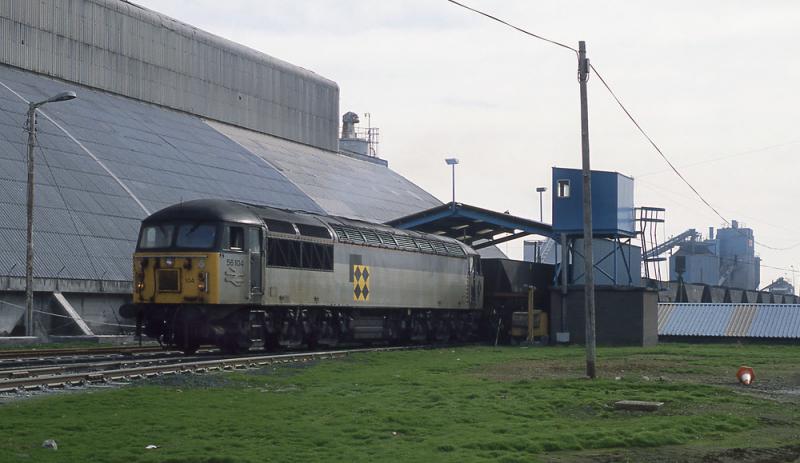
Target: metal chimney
{"x": 349, "y": 121}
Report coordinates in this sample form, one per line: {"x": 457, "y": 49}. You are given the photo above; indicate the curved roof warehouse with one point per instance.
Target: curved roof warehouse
{"x": 165, "y": 113}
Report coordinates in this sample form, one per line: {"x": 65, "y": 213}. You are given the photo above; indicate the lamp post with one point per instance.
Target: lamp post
{"x": 540, "y": 190}
{"x": 32, "y": 107}
{"x": 452, "y": 162}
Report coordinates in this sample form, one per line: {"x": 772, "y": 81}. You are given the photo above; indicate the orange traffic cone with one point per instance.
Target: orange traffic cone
{"x": 746, "y": 375}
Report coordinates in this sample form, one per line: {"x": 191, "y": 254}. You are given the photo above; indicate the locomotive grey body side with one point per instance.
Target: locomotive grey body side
{"x": 396, "y": 279}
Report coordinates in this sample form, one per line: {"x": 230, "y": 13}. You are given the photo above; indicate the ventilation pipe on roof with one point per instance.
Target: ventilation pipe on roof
{"x": 349, "y": 121}
{"x": 350, "y": 143}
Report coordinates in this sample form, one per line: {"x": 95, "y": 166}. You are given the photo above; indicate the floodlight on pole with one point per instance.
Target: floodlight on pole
{"x": 452, "y": 162}
{"x": 63, "y": 96}
{"x": 541, "y": 190}
{"x": 31, "y": 127}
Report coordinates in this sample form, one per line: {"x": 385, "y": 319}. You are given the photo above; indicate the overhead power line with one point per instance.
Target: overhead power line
{"x": 628, "y": 114}
{"x": 778, "y": 268}
{"x": 672, "y": 166}
{"x": 724, "y": 157}
{"x": 654, "y": 145}
{"x": 495, "y": 18}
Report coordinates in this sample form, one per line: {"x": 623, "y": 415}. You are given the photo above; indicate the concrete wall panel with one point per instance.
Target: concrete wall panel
{"x": 624, "y": 315}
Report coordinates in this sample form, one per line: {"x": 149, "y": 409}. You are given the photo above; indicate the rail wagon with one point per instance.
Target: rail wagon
{"x": 209, "y": 271}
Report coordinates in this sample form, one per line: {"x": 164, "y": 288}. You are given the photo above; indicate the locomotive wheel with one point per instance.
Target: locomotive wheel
{"x": 184, "y": 336}
{"x": 237, "y": 337}
{"x": 190, "y": 348}
{"x": 269, "y": 334}
{"x": 271, "y": 341}
{"x": 311, "y": 341}
{"x": 233, "y": 346}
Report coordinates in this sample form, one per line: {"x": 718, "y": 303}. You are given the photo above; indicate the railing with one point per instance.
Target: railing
{"x": 371, "y": 135}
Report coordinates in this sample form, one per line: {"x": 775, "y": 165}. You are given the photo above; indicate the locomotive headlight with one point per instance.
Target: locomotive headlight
{"x": 169, "y": 261}
{"x": 202, "y": 283}
{"x": 201, "y": 264}
{"x": 139, "y": 281}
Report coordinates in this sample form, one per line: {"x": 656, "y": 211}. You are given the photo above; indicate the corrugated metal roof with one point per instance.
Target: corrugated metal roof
{"x": 776, "y": 321}
{"x": 741, "y": 319}
{"x": 696, "y": 320}
{"x": 729, "y": 320}
{"x": 664, "y": 313}
{"x": 121, "y": 156}
{"x": 339, "y": 184}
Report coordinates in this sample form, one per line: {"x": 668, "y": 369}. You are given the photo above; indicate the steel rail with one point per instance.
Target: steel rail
{"x": 19, "y": 371}
{"x": 200, "y": 366}
{"x": 78, "y": 360}
{"x": 72, "y": 351}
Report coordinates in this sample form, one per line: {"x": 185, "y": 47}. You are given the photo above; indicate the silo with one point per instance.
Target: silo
{"x": 737, "y": 257}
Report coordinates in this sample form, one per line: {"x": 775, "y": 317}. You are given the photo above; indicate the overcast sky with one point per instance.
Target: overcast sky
{"x": 714, "y": 83}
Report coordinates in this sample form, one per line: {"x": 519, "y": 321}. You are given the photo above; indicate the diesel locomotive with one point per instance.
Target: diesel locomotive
{"x": 224, "y": 272}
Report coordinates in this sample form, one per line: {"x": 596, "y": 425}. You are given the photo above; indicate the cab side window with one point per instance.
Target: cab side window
{"x": 235, "y": 239}
{"x": 476, "y": 265}
{"x": 254, "y": 240}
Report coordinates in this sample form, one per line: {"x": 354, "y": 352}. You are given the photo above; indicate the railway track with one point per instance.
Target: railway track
{"x": 62, "y": 357}
{"x": 93, "y": 365}
{"x": 60, "y": 377}
{"x": 13, "y": 354}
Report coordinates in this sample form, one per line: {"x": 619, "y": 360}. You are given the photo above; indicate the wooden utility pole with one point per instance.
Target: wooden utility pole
{"x": 588, "y": 257}
{"x": 564, "y": 282}
{"x": 29, "y": 331}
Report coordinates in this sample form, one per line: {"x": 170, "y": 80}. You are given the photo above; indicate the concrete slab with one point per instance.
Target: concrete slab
{"x": 638, "y": 405}
{"x": 18, "y": 340}
{"x": 99, "y": 339}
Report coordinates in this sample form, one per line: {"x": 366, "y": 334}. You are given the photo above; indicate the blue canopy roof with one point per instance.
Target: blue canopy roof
{"x": 477, "y": 227}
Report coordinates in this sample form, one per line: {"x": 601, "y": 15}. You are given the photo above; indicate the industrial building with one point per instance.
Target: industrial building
{"x": 780, "y": 286}
{"x": 165, "y": 113}
{"x": 727, "y": 259}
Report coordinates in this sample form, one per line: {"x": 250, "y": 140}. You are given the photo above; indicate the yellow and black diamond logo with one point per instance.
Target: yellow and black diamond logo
{"x": 360, "y": 282}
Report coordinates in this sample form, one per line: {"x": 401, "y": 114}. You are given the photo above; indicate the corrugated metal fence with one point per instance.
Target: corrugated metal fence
{"x": 729, "y": 320}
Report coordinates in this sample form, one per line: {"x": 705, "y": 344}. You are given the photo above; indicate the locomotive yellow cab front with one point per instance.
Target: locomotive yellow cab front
{"x": 175, "y": 263}
{"x": 183, "y": 295}
{"x": 175, "y": 278}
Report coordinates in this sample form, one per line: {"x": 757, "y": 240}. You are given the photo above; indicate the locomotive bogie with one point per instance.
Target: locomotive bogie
{"x": 188, "y": 326}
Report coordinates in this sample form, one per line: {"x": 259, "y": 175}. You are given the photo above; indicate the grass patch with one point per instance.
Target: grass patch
{"x": 466, "y": 404}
